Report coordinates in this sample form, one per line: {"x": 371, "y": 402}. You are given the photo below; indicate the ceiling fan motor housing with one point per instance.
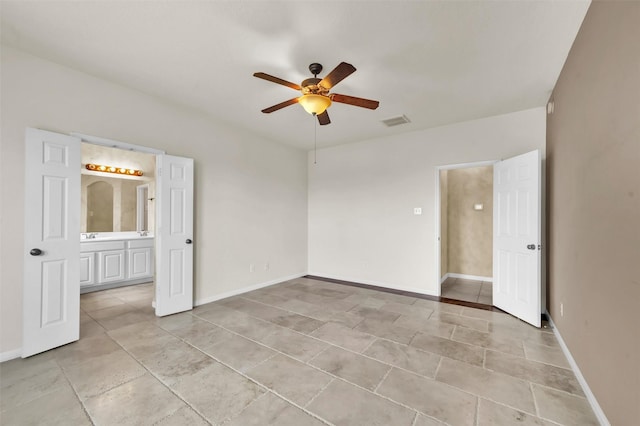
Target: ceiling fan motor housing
{"x": 315, "y": 68}
{"x": 311, "y": 86}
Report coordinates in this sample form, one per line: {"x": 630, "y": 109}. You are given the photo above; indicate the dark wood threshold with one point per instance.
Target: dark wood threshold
{"x": 410, "y": 294}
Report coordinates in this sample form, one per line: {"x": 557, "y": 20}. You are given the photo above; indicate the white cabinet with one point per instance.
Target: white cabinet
{"x": 111, "y": 266}
{"x": 87, "y": 269}
{"x": 105, "y": 264}
{"x": 140, "y": 259}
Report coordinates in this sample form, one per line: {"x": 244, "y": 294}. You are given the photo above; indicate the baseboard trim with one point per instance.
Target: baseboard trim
{"x": 379, "y": 285}
{"x": 395, "y": 290}
{"x": 109, "y": 286}
{"x": 247, "y": 289}
{"x": 9, "y": 355}
{"x": 469, "y": 277}
{"x": 444, "y": 277}
{"x": 597, "y": 410}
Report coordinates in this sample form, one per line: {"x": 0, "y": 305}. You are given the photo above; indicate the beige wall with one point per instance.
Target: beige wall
{"x": 250, "y": 193}
{"x": 107, "y": 156}
{"x": 444, "y": 223}
{"x": 593, "y": 165}
{"x": 470, "y": 232}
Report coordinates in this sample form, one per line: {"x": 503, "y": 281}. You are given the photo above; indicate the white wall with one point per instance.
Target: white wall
{"x": 361, "y": 197}
{"x": 250, "y": 194}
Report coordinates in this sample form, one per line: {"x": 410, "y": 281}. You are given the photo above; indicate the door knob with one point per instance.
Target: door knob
{"x": 531, "y": 246}
{"x": 35, "y": 252}
{"x": 188, "y": 241}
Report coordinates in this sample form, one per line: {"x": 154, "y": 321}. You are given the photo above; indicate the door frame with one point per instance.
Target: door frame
{"x": 437, "y": 203}
{"x": 160, "y": 155}
{"x": 110, "y": 143}
{"x": 543, "y": 222}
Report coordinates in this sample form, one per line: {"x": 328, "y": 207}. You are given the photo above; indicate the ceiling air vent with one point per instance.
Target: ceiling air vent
{"x": 396, "y": 121}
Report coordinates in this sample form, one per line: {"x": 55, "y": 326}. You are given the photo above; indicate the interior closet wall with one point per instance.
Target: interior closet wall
{"x": 444, "y": 223}
{"x": 470, "y": 231}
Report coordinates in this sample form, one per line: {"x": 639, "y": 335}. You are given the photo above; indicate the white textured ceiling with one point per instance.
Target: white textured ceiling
{"x": 437, "y": 62}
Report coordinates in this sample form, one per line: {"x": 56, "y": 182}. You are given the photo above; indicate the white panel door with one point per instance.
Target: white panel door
{"x": 174, "y": 195}
{"x": 51, "y": 291}
{"x": 517, "y": 236}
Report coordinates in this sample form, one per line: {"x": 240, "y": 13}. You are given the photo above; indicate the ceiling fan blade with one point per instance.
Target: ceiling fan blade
{"x": 280, "y": 105}
{"x": 339, "y": 73}
{"x": 323, "y": 118}
{"x": 352, "y": 100}
{"x": 277, "y": 80}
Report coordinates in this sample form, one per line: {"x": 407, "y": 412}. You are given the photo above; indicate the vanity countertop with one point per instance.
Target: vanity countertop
{"x": 111, "y": 236}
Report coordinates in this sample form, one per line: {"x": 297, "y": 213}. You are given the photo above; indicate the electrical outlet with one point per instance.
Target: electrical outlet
{"x": 251, "y": 267}
{"x": 562, "y": 309}
{"x": 417, "y": 210}
{"x": 266, "y": 266}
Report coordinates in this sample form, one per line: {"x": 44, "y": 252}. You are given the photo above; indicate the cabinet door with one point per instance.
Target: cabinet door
{"x": 111, "y": 266}
{"x": 140, "y": 265}
{"x": 87, "y": 269}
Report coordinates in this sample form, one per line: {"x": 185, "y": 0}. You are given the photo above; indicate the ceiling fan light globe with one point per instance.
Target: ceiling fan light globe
{"x": 314, "y": 104}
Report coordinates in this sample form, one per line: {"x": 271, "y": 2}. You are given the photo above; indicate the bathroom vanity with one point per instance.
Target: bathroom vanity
{"x": 115, "y": 259}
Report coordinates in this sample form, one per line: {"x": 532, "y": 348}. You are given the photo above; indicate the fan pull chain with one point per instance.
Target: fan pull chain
{"x": 315, "y": 139}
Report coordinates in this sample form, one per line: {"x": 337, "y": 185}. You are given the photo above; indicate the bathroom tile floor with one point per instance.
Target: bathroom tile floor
{"x": 303, "y": 352}
{"x": 468, "y": 290}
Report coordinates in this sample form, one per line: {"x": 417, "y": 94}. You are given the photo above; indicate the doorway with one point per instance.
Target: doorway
{"x": 51, "y": 287}
{"x": 116, "y": 217}
{"x": 466, "y": 232}
{"x": 517, "y": 190}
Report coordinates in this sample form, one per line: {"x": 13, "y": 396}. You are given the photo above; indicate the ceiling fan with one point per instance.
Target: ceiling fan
{"x": 315, "y": 97}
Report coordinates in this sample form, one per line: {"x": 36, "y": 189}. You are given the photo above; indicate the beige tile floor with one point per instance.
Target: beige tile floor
{"x": 468, "y": 290}
{"x": 303, "y": 352}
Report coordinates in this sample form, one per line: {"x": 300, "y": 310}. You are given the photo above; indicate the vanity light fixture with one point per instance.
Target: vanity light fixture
{"x": 112, "y": 169}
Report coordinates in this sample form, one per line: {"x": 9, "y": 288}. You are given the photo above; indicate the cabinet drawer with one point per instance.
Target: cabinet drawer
{"x": 101, "y": 246}
{"x": 142, "y": 243}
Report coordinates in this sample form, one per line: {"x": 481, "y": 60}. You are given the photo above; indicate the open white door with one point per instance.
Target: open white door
{"x": 517, "y": 236}
{"x": 174, "y": 234}
{"x": 51, "y": 291}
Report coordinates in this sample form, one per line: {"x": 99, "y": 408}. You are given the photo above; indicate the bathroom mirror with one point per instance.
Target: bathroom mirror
{"x": 142, "y": 207}
{"x": 115, "y": 205}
